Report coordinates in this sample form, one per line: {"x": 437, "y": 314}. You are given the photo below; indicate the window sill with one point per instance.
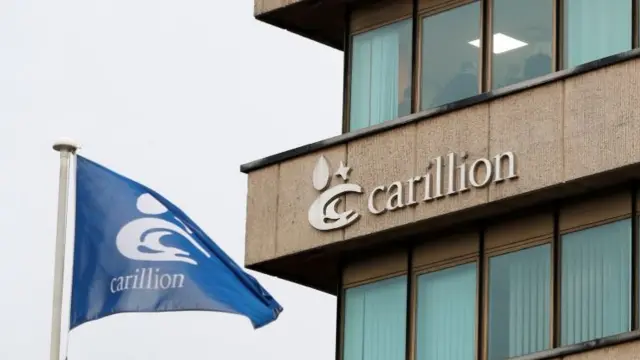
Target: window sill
{"x": 582, "y": 347}
{"x": 478, "y": 99}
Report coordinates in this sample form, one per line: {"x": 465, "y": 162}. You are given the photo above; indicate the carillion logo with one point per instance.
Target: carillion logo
{"x": 141, "y": 240}
{"x": 461, "y": 177}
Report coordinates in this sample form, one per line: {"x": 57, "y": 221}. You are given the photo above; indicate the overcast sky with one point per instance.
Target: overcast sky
{"x": 176, "y": 95}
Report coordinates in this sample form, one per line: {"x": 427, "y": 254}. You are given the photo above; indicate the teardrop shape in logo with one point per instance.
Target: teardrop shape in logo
{"x": 321, "y": 174}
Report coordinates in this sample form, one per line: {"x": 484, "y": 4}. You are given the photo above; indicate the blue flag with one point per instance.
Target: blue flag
{"x": 137, "y": 252}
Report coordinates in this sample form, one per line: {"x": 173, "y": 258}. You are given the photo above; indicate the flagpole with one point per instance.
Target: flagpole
{"x": 66, "y": 148}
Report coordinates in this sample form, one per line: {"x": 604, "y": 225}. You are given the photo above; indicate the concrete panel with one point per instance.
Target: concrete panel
{"x": 295, "y": 194}
{"x": 627, "y": 351}
{"x": 440, "y": 5}
{"x": 525, "y": 229}
{"x": 529, "y": 124}
{"x": 601, "y": 121}
{"x": 260, "y": 232}
{"x": 375, "y": 14}
{"x": 263, "y": 6}
{"x": 380, "y": 160}
{"x": 375, "y": 268}
{"x": 462, "y": 131}
{"x": 446, "y": 250}
{"x": 558, "y": 132}
{"x": 595, "y": 210}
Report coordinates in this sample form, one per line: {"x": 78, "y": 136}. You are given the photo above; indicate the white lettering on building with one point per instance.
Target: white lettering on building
{"x": 461, "y": 176}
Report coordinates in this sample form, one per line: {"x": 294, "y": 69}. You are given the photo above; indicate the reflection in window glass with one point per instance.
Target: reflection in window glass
{"x": 596, "y": 282}
{"x": 595, "y": 29}
{"x": 519, "y": 292}
{"x": 446, "y": 319}
{"x": 522, "y": 40}
{"x": 450, "y": 55}
{"x": 381, "y": 75}
{"x": 374, "y": 320}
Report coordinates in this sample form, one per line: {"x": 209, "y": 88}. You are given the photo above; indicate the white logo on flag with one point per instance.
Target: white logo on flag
{"x": 147, "y": 232}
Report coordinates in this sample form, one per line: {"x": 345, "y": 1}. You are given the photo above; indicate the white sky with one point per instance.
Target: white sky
{"x": 176, "y": 95}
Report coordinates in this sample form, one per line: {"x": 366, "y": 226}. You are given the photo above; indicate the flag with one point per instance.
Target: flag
{"x": 137, "y": 252}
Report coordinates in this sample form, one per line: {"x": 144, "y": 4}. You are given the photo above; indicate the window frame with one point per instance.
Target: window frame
{"x": 478, "y": 243}
{"x": 555, "y": 46}
{"x": 360, "y": 21}
{"x": 559, "y": 36}
{"x": 445, "y": 265}
{"x": 355, "y": 25}
{"x": 363, "y": 271}
{"x": 467, "y": 252}
{"x": 522, "y": 241}
{"x": 428, "y": 8}
{"x": 590, "y": 214}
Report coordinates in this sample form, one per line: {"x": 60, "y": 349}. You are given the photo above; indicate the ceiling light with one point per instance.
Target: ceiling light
{"x": 502, "y": 43}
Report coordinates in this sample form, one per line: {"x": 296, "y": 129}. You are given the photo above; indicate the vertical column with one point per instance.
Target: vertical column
{"x": 559, "y": 35}
{"x": 486, "y": 44}
{"x": 346, "y": 79}
{"x": 480, "y": 348}
{"x": 556, "y": 278}
{"x": 410, "y": 301}
{"x": 339, "y": 312}
{"x": 555, "y": 66}
{"x": 634, "y": 23}
{"x": 415, "y": 48}
{"x": 634, "y": 256}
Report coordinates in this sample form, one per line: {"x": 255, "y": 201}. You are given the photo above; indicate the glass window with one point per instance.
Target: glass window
{"x": 522, "y": 40}
{"x": 450, "y": 56}
{"x": 375, "y": 320}
{"x": 381, "y": 75}
{"x": 595, "y": 29}
{"x": 596, "y": 282}
{"x": 446, "y": 319}
{"x": 519, "y": 297}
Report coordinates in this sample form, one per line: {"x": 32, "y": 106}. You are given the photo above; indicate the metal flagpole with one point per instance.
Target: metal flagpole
{"x": 66, "y": 148}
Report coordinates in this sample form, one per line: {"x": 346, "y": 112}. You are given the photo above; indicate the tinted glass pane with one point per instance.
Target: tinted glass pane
{"x": 450, "y": 54}
{"x": 381, "y": 75}
{"x": 596, "y": 282}
{"x": 522, "y": 40}
{"x": 519, "y": 293}
{"x": 596, "y": 29}
{"x": 374, "y": 320}
{"x": 446, "y": 319}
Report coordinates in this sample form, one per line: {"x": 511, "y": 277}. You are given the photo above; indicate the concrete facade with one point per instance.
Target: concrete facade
{"x": 264, "y": 6}
{"x": 559, "y": 132}
{"x": 522, "y": 200}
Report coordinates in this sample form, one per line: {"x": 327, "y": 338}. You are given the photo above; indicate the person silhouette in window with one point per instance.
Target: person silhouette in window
{"x": 537, "y": 65}
{"x": 463, "y": 85}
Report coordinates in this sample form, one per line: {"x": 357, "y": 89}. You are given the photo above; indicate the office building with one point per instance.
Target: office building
{"x": 482, "y": 200}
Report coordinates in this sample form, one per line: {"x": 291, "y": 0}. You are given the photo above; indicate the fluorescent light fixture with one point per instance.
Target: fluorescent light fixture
{"x": 501, "y": 43}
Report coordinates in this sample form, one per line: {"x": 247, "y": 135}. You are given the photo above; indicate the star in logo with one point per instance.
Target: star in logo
{"x": 323, "y": 213}
{"x": 343, "y": 171}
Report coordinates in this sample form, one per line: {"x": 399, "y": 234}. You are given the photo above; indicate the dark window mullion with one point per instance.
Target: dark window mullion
{"x": 634, "y": 23}
{"x": 556, "y": 280}
{"x": 486, "y": 45}
{"x": 560, "y": 39}
{"x": 346, "y": 76}
{"x": 410, "y": 291}
{"x": 339, "y": 312}
{"x": 555, "y": 51}
{"x": 481, "y": 344}
{"x": 634, "y": 257}
{"x": 414, "y": 57}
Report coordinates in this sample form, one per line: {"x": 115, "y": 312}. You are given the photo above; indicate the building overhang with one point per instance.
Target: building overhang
{"x": 319, "y": 267}
{"x": 564, "y": 131}
{"x": 322, "y": 21}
